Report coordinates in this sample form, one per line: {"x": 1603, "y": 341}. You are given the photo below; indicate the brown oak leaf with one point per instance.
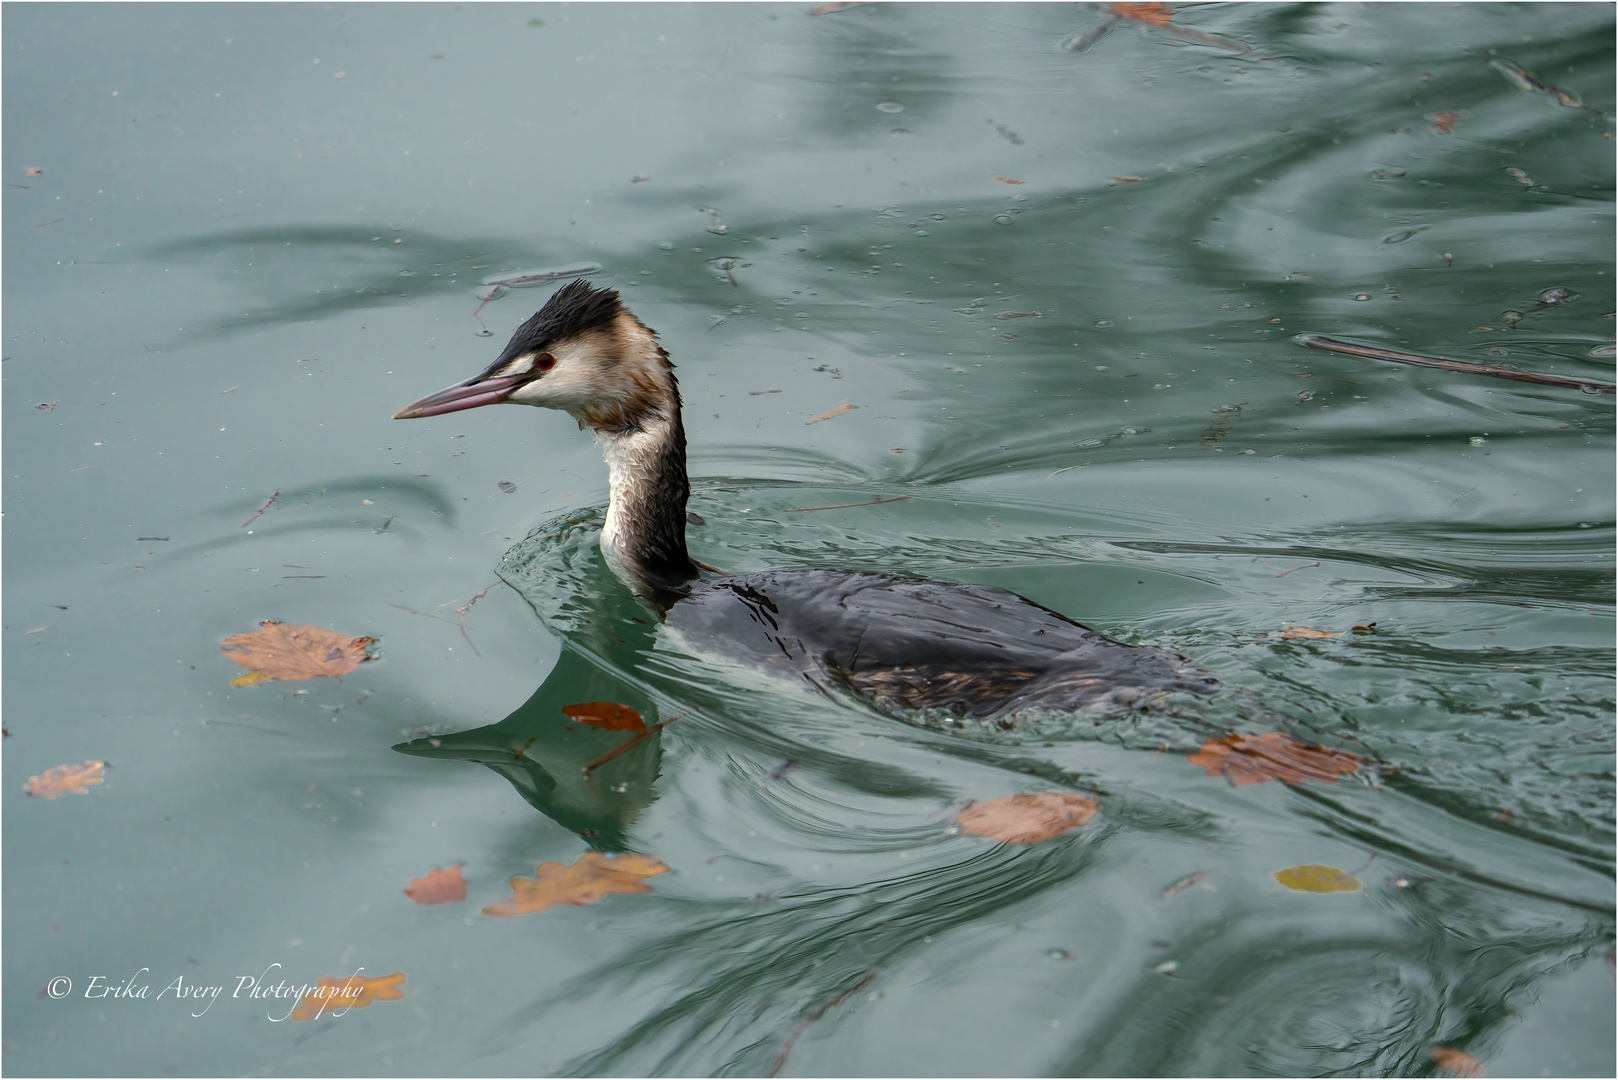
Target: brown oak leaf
{"x": 287, "y": 651}
{"x": 1027, "y": 819}
{"x": 1309, "y": 632}
{"x": 1153, "y": 14}
{"x": 438, "y": 887}
{"x": 1458, "y": 1062}
{"x": 65, "y": 778}
{"x": 593, "y": 876}
{"x": 1253, "y": 759}
{"x": 333, "y": 997}
{"x": 606, "y": 714}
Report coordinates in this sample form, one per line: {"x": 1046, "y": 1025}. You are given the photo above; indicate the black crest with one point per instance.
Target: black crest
{"x": 571, "y": 310}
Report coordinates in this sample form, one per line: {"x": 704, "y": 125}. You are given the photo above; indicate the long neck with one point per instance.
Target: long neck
{"x": 644, "y": 534}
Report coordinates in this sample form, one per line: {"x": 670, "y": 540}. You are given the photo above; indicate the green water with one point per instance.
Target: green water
{"x": 256, "y": 231}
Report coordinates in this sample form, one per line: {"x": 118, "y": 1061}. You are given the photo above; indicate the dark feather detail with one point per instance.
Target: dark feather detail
{"x": 571, "y": 310}
{"x": 971, "y": 649}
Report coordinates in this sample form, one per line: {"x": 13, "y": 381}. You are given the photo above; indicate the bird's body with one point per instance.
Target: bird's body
{"x": 907, "y": 642}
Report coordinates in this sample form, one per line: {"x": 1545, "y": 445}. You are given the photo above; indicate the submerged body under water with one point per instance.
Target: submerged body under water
{"x": 976, "y": 650}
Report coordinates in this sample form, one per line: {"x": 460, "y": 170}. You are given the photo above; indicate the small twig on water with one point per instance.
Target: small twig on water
{"x": 623, "y": 747}
{"x": 1349, "y": 348}
{"x": 1305, "y": 566}
{"x": 464, "y": 608}
{"x": 781, "y": 1058}
{"x": 845, "y": 506}
{"x": 261, "y": 509}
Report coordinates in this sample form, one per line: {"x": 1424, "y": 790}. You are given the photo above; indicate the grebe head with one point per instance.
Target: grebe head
{"x": 583, "y": 353}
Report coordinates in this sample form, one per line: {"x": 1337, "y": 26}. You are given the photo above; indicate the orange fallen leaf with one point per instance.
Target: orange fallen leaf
{"x": 1026, "y": 819}
{"x": 287, "y": 651}
{"x": 1445, "y": 121}
{"x": 336, "y": 996}
{"x": 593, "y": 876}
{"x": 1306, "y": 632}
{"x": 1253, "y": 759}
{"x": 829, "y": 413}
{"x": 36, "y": 172}
{"x": 1154, "y": 14}
{"x": 438, "y": 887}
{"x": 65, "y": 778}
{"x": 606, "y": 714}
{"x": 1458, "y": 1062}
{"x": 1009, "y": 180}
{"x": 1124, "y": 179}
{"x": 832, "y": 9}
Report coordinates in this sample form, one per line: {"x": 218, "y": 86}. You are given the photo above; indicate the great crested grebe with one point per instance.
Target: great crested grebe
{"x": 971, "y": 649}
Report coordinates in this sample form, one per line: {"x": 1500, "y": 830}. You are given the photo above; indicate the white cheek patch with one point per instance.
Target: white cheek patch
{"x": 521, "y": 365}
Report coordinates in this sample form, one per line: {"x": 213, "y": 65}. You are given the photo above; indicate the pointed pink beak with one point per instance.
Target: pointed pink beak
{"x": 467, "y": 395}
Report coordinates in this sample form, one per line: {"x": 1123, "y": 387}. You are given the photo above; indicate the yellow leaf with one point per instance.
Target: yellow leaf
{"x": 1315, "y": 878}
{"x": 335, "y": 996}
{"x": 252, "y": 678}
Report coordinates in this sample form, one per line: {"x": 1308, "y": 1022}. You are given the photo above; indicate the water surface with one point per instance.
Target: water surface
{"x": 1064, "y": 291}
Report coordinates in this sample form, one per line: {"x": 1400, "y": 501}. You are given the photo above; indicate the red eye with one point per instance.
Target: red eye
{"x": 544, "y": 362}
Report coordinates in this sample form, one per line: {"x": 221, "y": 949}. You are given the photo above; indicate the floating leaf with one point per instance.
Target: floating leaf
{"x": 1009, "y": 180}
{"x": 829, "y": 413}
{"x": 593, "y": 876}
{"x": 1443, "y": 122}
{"x": 1253, "y": 759}
{"x": 66, "y": 778}
{"x": 335, "y": 996}
{"x": 1456, "y": 1061}
{"x": 438, "y": 887}
{"x": 1153, "y": 14}
{"x": 286, "y": 651}
{"x": 606, "y": 714}
{"x": 1315, "y": 878}
{"x": 1027, "y": 819}
{"x": 1307, "y": 632}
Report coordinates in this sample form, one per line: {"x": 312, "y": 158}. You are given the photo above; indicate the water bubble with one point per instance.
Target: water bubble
{"x": 1362, "y": 296}
{"x": 890, "y": 107}
{"x": 1555, "y": 296}
{"x": 1511, "y": 318}
{"x": 664, "y": 245}
{"x": 1002, "y": 219}
{"x": 1104, "y": 323}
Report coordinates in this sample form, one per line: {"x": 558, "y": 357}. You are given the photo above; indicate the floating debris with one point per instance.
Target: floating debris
{"x": 829, "y": 413}
{"x": 725, "y": 265}
{"x": 1529, "y": 83}
{"x": 1349, "y": 348}
{"x": 495, "y": 285}
{"x": 1443, "y": 122}
{"x": 1007, "y": 133}
{"x": 261, "y": 509}
{"x": 715, "y": 224}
